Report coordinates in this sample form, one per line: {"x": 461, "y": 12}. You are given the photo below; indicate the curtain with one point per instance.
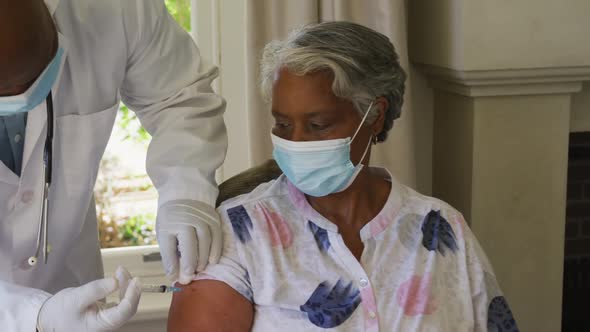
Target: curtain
{"x": 407, "y": 151}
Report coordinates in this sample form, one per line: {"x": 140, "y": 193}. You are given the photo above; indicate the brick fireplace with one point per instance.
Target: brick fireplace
{"x": 576, "y": 281}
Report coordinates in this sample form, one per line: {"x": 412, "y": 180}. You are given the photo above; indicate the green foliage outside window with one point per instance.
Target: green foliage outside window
{"x": 138, "y": 230}
{"x": 181, "y": 11}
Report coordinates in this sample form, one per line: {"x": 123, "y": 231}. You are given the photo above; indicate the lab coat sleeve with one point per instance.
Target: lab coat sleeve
{"x": 19, "y": 307}
{"x": 168, "y": 85}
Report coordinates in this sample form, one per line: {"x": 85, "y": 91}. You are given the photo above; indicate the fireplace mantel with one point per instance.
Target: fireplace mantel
{"x": 507, "y": 82}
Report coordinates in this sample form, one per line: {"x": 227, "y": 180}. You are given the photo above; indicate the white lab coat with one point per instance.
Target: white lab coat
{"x": 115, "y": 49}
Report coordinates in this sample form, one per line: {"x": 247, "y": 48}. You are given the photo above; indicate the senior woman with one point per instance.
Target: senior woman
{"x": 334, "y": 243}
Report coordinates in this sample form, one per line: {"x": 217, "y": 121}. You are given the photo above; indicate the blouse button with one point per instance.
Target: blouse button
{"x": 364, "y": 282}
{"x": 372, "y": 314}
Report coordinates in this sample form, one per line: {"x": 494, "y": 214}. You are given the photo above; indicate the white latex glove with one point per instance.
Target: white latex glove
{"x": 189, "y": 235}
{"x": 78, "y": 308}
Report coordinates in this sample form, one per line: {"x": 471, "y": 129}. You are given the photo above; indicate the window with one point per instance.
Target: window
{"x": 126, "y": 200}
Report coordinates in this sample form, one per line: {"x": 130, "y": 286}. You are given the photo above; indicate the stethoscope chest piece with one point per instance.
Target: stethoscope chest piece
{"x": 32, "y": 261}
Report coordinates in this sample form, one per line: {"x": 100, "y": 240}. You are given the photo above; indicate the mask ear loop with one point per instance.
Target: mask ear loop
{"x": 360, "y": 165}
{"x": 366, "y": 149}
{"x": 359, "y": 128}
{"x": 362, "y": 121}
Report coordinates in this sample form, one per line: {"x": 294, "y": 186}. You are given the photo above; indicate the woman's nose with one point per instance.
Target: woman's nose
{"x": 298, "y": 134}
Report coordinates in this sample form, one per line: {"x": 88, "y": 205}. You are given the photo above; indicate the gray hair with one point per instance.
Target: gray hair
{"x": 363, "y": 62}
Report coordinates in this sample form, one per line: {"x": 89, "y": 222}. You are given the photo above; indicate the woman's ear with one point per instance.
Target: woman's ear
{"x": 381, "y": 104}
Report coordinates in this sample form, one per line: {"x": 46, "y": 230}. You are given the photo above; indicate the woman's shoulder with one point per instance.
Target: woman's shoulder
{"x": 430, "y": 215}
{"x": 406, "y": 200}
{"x": 261, "y": 218}
{"x": 268, "y": 191}
{"x": 418, "y": 203}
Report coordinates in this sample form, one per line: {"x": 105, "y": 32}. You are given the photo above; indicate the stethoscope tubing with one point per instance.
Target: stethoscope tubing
{"x": 47, "y": 173}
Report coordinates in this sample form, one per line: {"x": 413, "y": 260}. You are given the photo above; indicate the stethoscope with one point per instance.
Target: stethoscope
{"x": 47, "y": 165}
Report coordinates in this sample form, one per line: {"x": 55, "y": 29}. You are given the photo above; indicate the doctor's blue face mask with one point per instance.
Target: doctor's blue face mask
{"x": 36, "y": 93}
{"x": 319, "y": 168}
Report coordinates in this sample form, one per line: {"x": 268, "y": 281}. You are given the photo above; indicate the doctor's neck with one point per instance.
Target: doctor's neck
{"x": 28, "y": 42}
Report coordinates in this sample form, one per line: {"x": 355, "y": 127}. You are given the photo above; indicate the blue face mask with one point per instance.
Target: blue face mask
{"x": 318, "y": 168}
{"x": 37, "y": 93}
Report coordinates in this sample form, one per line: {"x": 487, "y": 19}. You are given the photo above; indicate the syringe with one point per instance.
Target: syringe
{"x": 159, "y": 289}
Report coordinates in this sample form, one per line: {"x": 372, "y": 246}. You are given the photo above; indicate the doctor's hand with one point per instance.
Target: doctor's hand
{"x": 78, "y": 309}
{"x": 189, "y": 235}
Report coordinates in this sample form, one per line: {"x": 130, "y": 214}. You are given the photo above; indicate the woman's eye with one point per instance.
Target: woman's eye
{"x": 281, "y": 125}
{"x": 319, "y": 126}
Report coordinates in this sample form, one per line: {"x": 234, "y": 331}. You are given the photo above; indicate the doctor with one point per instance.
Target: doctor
{"x": 64, "y": 67}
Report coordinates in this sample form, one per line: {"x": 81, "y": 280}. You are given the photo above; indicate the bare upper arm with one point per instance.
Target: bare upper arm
{"x": 210, "y": 305}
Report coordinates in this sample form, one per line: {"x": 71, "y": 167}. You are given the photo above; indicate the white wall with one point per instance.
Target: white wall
{"x": 526, "y": 34}
{"x": 497, "y": 37}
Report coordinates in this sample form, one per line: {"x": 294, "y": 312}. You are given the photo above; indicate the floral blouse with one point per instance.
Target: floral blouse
{"x": 421, "y": 269}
